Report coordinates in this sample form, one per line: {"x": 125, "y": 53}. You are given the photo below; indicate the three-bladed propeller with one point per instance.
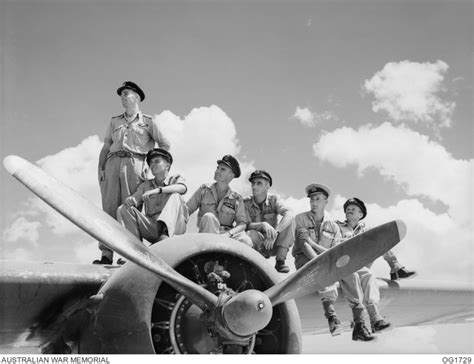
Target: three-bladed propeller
{"x": 244, "y": 313}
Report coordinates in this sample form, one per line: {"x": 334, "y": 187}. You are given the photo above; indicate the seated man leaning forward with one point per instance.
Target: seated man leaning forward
{"x": 314, "y": 234}
{"x": 165, "y": 211}
{"x": 356, "y": 211}
{"x": 268, "y": 236}
{"x": 221, "y": 210}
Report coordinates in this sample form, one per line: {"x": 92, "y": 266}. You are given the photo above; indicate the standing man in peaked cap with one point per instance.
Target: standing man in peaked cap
{"x": 221, "y": 210}
{"x": 165, "y": 210}
{"x": 122, "y": 167}
{"x": 356, "y": 211}
{"x": 268, "y": 236}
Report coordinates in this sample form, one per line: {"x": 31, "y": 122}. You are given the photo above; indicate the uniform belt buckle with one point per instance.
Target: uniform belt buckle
{"x": 123, "y": 154}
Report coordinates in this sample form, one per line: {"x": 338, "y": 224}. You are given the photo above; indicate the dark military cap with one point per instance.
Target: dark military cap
{"x": 260, "y": 173}
{"x": 317, "y": 188}
{"x": 131, "y": 86}
{"x": 357, "y": 202}
{"x": 232, "y": 163}
{"x": 159, "y": 152}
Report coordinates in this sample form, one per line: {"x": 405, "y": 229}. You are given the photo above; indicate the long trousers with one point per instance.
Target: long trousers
{"x": 210, "y": 224}
{"x": 282, "y": 244}
{"x": 142, "y": 226}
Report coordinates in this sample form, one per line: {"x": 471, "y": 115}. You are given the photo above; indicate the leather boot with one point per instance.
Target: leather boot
{"x": 361, "y": 333}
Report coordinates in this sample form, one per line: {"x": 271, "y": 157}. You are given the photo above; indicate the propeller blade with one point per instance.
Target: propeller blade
{"x": 338, "y": 262}
{"x": 103, "y": 227}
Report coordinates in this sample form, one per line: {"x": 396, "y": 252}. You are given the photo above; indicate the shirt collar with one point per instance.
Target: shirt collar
{"x": 214, "y": 190}
{"x": 266, "y": 202}
{"x": 138, "y": 117}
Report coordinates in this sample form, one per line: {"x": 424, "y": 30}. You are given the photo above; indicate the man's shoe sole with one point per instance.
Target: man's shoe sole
{"x": 337, "y": 332}
{"x": 388, "y": 328}
{"x": 409, "y": 277}
{"x": 374, "y": 338}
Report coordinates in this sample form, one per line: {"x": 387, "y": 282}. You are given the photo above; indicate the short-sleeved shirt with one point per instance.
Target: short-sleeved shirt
{"x": 325, "y": 232}
{"x": 348, "y": 232}
{"x": 268, "y": 211}
{"x": 137, "y": 136}
{"x": 228, "y": 210}
{"x": 155, "y": 204}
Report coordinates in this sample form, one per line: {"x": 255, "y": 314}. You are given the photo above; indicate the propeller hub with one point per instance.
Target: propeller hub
{"x": 247, "y": 312}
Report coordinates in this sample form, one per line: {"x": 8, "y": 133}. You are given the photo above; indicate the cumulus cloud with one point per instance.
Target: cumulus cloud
{"x": 198, "y": 140}
{"x": 412, "y": 92}
{"x": 310, "y": 119}
{"x": 21, "y": 228}
{"x": 420, "y": 166}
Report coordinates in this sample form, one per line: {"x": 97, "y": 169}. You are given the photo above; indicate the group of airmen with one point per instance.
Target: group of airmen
{"x": 154, "y": 209}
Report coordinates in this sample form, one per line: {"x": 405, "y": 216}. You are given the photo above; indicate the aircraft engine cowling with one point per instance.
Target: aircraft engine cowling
{"x": 136, "y": 312}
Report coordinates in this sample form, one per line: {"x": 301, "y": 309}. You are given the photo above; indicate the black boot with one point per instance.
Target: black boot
{"x": 103, "y": 260}
{"x": 404, "y": 273}
{"x": 361, "y": 333}
{"x": 335, "y": 326}
{"x": 281, "y": 267}
{"x": 380, "y": 325}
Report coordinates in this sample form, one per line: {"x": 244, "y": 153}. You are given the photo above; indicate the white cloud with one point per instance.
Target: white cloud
{"x": 420, "y": 166}
{"x": 22, "y": 229}
{"x": 205, "y": 135}
{"x": 310, "y": 119}
{"x": 411, "y": 91}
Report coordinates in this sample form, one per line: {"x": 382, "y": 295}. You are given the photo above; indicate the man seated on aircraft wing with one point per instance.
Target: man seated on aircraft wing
{"x": 315, "y": 232}
{"x": 221, "y": 210}
{"x": 165, "y": 211}
{"x": 268, "y": 236}
{"x": 356, "y": 211}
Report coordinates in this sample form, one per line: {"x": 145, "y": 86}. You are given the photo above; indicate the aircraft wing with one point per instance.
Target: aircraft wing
{"x": 39, "y": 299}
{"x": 403, "y": 303}
{"x": 36, "y": 298}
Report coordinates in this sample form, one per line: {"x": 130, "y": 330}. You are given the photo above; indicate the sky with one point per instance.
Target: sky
{"x": 372, "y": 98}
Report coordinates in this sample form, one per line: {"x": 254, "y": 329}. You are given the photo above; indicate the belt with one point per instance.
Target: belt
{"x": 126, "y": 154}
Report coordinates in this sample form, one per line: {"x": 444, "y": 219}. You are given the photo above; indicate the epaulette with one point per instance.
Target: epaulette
{"x": 147, "y": 116}
{"x": 206, "y": 185}
{"x": 117, "y": 116}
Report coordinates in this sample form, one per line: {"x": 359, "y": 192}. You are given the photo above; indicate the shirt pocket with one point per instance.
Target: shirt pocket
{"x": 117, "y": 132}
{"x": 140, "y": 128}
{"x": 227, "y": 216}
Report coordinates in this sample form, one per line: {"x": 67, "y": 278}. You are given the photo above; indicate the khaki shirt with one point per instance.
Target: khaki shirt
{"x": 138, "y": 136}
{"x": 156, "y": 202}
{"x": 325, "y": 233}
{"x": 271, "y": 208}
{"x": 348, "y": 232}
{"x": 228, "y": 210}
